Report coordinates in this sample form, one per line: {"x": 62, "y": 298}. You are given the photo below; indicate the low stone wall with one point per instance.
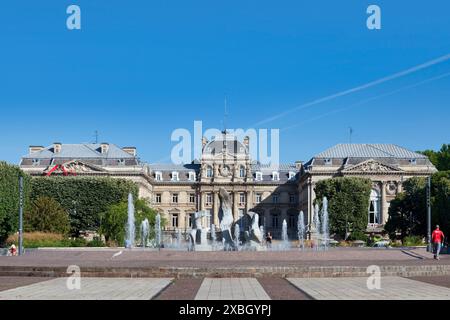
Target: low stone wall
{"x": 254, "y": 272}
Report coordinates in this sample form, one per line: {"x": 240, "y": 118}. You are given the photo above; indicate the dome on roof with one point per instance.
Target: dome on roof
{"x": 227, "y": 141}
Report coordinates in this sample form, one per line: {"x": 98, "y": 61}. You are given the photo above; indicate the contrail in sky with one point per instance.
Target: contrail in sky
{"x": 356, "y": 89}
{"x": 368, "y": 100}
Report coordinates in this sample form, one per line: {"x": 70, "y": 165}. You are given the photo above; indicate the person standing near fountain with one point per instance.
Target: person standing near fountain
{"x": 269, "y": 240}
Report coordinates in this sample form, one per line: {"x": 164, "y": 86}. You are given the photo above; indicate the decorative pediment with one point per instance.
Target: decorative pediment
{"x": 371, "y": 166}
{"x": 73, "y": 167}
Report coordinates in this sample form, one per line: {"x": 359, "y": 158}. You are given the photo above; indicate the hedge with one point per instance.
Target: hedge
{"x": 84, "y": 198}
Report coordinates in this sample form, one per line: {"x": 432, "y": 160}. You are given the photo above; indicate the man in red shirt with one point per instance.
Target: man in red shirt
{"x": 438, "y": 239}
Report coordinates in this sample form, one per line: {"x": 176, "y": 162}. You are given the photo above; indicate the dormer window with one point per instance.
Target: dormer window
{"x": 275, "y": 176}
{"x": 158, "y": 176}
{"x": 209, "y": 172}
{"x": 104, "y": 148}
{"x": 327, "y": 161}
{"x": 259, "y": 176}
{"x": 57, "y": 147}
{"x": 121, "y": 162}
{"x": 291, "y": 175}
{"x": 413, "y": 162}
{"x": 35, "y": 162}
{"x": 242, "y": 172}
{"x": 175, "y": 176}
{"x": 192, "y": 176}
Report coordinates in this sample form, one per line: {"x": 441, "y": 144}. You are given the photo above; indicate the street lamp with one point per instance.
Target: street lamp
{"x": 429, "y": 246}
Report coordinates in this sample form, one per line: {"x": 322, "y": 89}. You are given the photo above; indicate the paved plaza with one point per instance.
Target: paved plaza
{"x": 231, "y": 289}
{"x": 90, "y": 289}
{"x": 392, "y": 288}
{"x": 351, "y": 288}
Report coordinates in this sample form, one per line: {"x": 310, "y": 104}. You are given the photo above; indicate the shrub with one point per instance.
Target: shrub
{"x": 9, "y": 198}
{"x": 46, "y": 215}
{"x": 114, "y": 220}
{"x": 84, "y": 198}
{"x": 412, "y": 241}
{"x": 96, "y": 242}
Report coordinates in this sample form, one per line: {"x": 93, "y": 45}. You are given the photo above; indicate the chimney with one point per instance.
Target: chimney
{"x": 33, "y": 149}
{"x": 104, "y": 146}
{"x": 298, "y": 164}
{"x": 57, "y": 147}
{"x": 130, "y": 150}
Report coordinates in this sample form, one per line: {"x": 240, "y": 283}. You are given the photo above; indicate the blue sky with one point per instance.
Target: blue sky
{"x": 137, "y": 70}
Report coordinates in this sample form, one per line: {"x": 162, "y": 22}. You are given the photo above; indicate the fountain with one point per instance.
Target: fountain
{"x": 145, "y": 229}
{"x": 284, "y": 236}
{"x": 317, "y": 229}
{"x": 325, "y": 227}
{"x": 178, "y": 236}
{"x": 301, "y": 230}
{"x": 237, "y": 233}
{"x": 158, "y": 230}
{"x": 130, "y": 227}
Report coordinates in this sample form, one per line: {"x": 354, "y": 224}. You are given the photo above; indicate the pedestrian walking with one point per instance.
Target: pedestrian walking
{"x": 438, "y": 239}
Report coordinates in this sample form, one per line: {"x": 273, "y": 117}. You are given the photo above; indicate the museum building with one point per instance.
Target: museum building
{"x": 276, "y": 194}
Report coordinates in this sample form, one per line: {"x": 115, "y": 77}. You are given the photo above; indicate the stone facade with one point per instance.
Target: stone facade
{"x": 277, "y": 194}
{"x": 387, "y": 166}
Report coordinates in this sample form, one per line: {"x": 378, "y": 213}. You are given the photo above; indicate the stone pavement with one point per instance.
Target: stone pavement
{"x": 231, "y": 289}
{"x": 392, "y": 288}
{"x": 91, "y": 289}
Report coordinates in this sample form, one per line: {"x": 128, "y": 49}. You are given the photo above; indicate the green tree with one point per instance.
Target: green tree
{"x": 46, "y": 215}
{"x": 441, "y": 158}
{"x": 408, "y": 211}
{"x": 348, "y": 203}
{"x": 9, "y": 198}
{"x": 114, "y": 220}
{"x": 84, "y": 198}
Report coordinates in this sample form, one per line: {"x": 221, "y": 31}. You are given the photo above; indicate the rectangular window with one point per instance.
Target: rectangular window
{"x": 258, "y": 197}
{"x": 208, "y": 219}
{"x": 158, "y": 176}
{"x": 292, "y": 198}
{"x": 175, "y": 220}
{"x": 192, "y": 198}
{"x": 275, "y": 221}
{"x": 241, "y": 199}
{"x": 175, "y": 176}
{"x": 191, "y": 176}
{"x": 175, "y": 198}
{"x": 259, "y": 176}
{"x": 158, "y": 198}
{"x": 275, "y": 198}
{"x": 209, "y": 199}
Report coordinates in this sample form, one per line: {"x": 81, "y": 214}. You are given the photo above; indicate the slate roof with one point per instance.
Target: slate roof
{"x": 80, "y": 151}
{"x": 354, "y": 150}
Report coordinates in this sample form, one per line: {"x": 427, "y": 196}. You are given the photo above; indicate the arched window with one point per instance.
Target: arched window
{"x": 209, "y": 172}
{"x": 375, "y": 208}
{"x": 242, "y": 172}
